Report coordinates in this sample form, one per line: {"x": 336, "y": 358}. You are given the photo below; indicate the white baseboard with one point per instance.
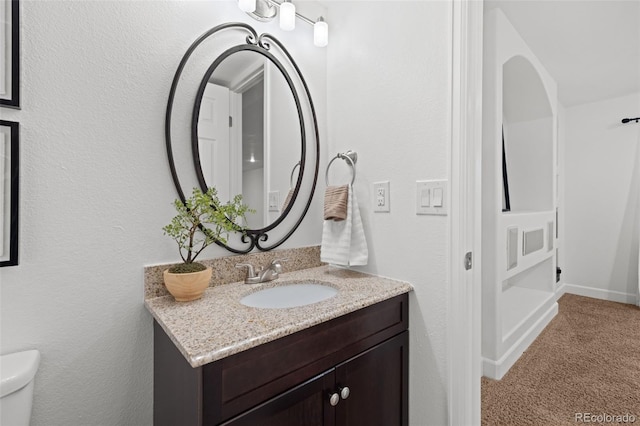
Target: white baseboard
{"x": 598, "y": 293}
{"x": 497, "y": 369}
{"x": 561, "y": 290}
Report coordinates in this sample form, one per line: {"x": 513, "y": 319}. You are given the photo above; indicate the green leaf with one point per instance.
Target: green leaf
{"x": 203, "y": 219}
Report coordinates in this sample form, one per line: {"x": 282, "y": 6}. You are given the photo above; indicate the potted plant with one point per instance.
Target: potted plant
{"x": 201, "y": 220}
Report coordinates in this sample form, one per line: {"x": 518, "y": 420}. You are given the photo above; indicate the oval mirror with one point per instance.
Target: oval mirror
{"x": 248, "y": 138}
{"x": 240, "y": 117}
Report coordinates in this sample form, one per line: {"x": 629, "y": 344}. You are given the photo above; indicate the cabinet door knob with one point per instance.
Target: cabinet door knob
{"x": 334, "y": 399}
{"x": 344, "y": 392}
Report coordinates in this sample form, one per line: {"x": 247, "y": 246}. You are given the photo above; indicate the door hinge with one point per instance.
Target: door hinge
{"x": 230, "y": 121}
{"x": 468, "y": 263}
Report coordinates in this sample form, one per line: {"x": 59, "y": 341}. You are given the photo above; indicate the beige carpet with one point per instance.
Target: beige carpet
{"x": 587, "y": 360}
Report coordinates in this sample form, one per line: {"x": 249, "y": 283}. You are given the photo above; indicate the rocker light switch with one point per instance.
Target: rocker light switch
{"x": 425, "y": 198}
{"x": 437, "y": 197}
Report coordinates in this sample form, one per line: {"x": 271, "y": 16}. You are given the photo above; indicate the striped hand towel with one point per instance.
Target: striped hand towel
{"x": 344, "y": 242}
{"x": 335, "y": 202}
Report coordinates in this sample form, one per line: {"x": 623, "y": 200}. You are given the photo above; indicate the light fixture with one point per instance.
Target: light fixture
{"x": 320, "y": 33}
{"x": 287, "y": 15}
{"x": 266, "y": 10}
{"x": 252, "y": 159}
{"x": 247, "y": 5}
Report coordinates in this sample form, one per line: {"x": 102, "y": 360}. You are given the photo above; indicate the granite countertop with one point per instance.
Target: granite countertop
{"x": 218, "y": 325}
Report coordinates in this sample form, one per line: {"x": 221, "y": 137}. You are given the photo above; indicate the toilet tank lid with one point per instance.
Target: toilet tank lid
{"x": 17, "y": 370}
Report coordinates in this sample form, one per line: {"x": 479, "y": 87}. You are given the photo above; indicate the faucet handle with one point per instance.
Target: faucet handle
{"x": 277, "y": 264}
{"x": 251, "y": 273}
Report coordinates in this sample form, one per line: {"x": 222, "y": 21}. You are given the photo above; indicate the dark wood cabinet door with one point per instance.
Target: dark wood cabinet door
{"x": 378, "y": 385}
{"x": 304, "y": 405}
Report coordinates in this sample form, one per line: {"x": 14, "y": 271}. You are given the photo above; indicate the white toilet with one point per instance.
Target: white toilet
{"x": 17, "y": 371}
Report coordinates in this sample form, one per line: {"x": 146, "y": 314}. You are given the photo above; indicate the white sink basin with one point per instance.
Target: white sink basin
{"x": 289, "y": 295}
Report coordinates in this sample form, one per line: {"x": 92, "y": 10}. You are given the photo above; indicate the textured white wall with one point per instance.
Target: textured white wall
{"x": 96, "y": 190}
{"x": 389, "y": 100}
{"x": 602, "y": 189}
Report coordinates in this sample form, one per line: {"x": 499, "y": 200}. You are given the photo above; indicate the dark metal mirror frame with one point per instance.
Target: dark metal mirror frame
{"x": 194, "y": 123}
{"x": 254, "y": 238}
{"x": 14, "y": 173}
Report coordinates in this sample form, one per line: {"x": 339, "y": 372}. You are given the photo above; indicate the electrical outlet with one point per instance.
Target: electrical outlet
{"x": 381, "y": 196}
{"x": 274, "y": 201}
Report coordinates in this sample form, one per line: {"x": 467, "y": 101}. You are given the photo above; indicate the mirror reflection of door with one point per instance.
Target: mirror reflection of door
{"x": 249, "y": 135}
{"x": 231, "y": 140}
{"x": 214, "y": 138}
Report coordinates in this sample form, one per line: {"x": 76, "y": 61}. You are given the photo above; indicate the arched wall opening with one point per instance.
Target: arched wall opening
{"x": 527, "y": 127}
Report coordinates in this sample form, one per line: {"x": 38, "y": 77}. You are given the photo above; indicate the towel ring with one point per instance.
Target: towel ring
{"x": 349, "y": 156}
{"x": 292, "y": 172}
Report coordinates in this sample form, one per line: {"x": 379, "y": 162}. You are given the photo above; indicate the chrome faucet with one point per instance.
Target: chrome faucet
{"x": 261, "y": 275}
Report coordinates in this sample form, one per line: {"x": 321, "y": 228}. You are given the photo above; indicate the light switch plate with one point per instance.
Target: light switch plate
{"x": 381, "y": 197}
{"x": 431, "y": 197}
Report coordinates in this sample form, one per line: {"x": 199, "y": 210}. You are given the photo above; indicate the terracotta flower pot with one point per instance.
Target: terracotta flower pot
{"x": 186, "y": 287}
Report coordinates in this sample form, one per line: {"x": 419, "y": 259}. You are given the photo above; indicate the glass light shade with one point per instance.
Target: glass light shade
{"x": 247, "y": 5}
{"x": 287, "y": 16}
{"x": 320, "y": 33}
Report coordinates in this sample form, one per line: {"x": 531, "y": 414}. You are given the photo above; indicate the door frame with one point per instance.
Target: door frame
{"x": 464, "y": 317}
{"x": 256, "y": 72}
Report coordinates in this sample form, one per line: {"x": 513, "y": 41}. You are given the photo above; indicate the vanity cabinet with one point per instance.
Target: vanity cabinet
{"x": 366, "y": 390}
{"x": 351, "y": 370}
